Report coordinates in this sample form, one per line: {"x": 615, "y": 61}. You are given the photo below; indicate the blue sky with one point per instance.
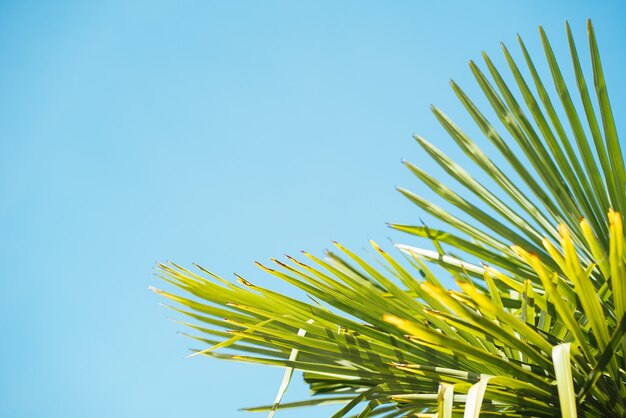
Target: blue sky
{"x": 213, "y": 132}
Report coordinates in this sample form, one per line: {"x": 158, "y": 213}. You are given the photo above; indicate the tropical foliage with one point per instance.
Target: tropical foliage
{"x": 536, "y": 326}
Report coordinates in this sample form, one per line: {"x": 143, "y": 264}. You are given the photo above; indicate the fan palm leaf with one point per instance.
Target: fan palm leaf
{"x": 536, "y": 325}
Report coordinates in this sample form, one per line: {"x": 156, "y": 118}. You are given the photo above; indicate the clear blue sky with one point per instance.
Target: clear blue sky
{"x": 213, "y": 132}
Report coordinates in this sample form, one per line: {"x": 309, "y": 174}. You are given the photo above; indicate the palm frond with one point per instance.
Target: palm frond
{"x": 536, "y": 327}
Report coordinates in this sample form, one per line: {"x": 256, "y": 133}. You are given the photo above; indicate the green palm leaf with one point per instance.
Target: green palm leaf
{"x": 536, "y": 327}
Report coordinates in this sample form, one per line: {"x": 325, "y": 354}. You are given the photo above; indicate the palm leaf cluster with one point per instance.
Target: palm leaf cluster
{"x": 535, "y": 326}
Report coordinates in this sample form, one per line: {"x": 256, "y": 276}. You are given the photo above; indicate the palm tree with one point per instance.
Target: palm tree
{"x": 534, "y": 329}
